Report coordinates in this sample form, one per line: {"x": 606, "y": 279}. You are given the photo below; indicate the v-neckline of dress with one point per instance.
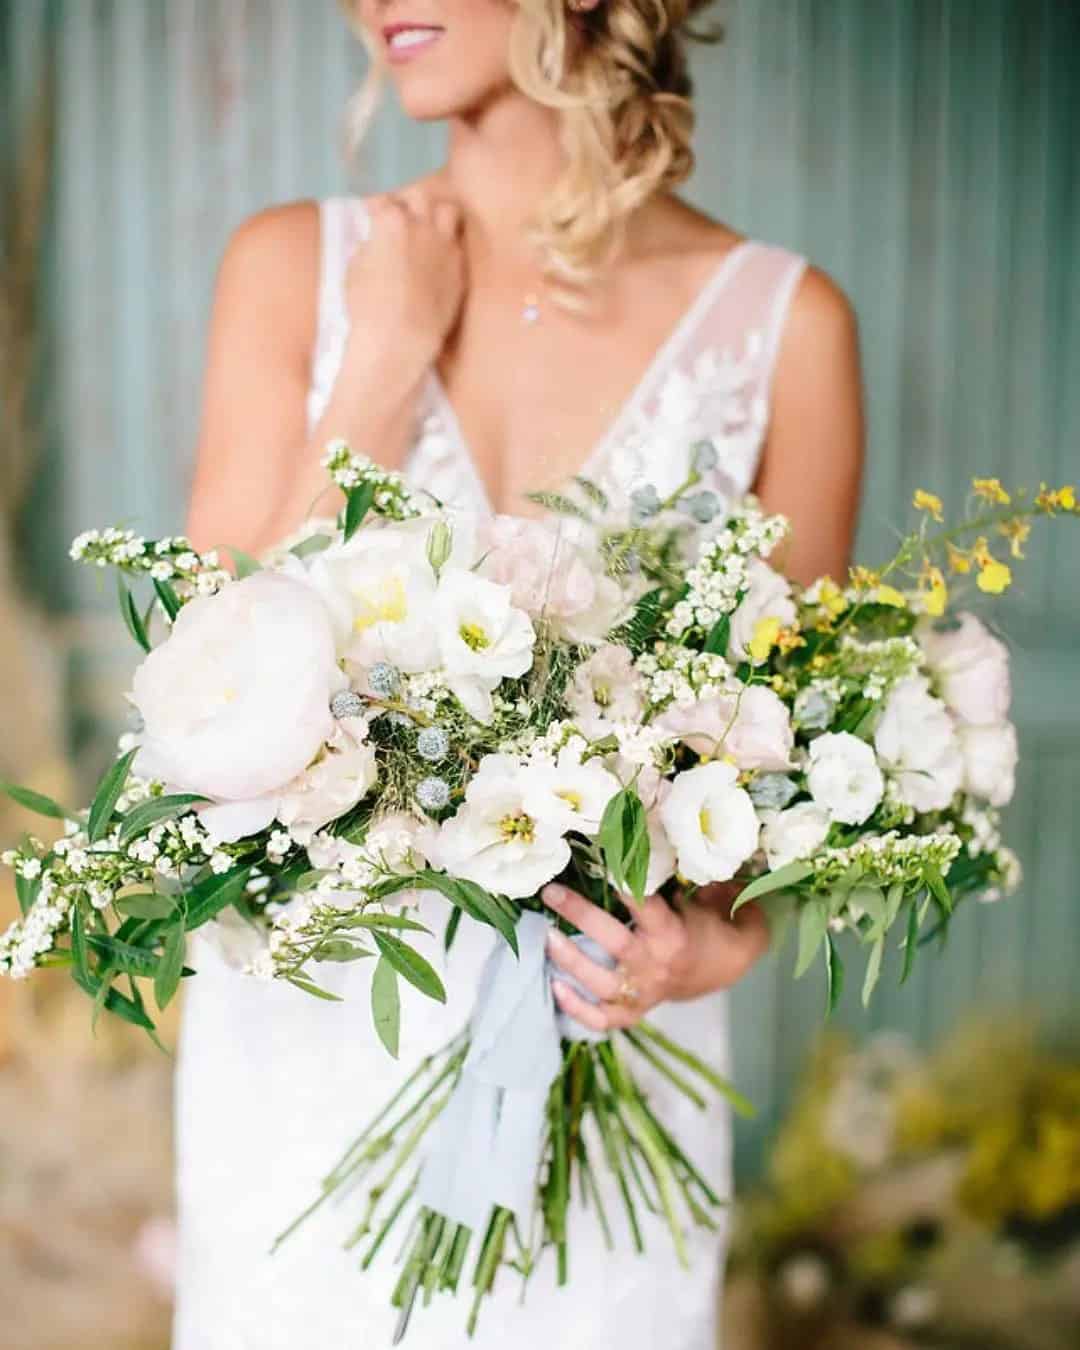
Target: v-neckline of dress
{"x": 651, "y": 378}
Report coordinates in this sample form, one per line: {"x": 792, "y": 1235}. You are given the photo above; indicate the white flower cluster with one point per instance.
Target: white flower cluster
{"x": 720, "y": 576}
{"x": 171, "y": 559}
{"x": 393, "y": 498}
{"x": 876, "y": 667}
{"x": 34, "y": 936}
{"x": 676, "y": 675}
{"x": 889, "y": 857}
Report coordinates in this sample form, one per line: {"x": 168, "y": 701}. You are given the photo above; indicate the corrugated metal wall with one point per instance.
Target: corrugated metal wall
{"x": 926, "y": 152}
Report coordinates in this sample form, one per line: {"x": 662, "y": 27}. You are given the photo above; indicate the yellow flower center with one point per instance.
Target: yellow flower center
{"x": 474, "y": 637}
{"x": 705, "y": 822}
{"x": 385, "y": 603}
{"x": 517, "y": 826}
{"x": 571, "y": 798}
{"x": 602, "y": 695}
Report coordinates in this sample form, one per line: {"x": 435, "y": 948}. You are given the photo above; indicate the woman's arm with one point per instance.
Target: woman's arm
{"x": 258, "y": 472}
{"x": 812, "y": 466}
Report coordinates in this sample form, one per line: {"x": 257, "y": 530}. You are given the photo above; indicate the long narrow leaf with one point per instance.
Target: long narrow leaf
{"x": 34, "y": 801}
{"x": 168, "y": 599}
{"x": 782, "y": 879}
{"x": 130, "y": 613}
{"x": 206, "y": 900}
{"x": 408, "y": 962}
{"x": 167, "y": 978}
{"x": 153, "y": 811}
{"x": 386, "y": 1005}
{"x": 108, "y": 794}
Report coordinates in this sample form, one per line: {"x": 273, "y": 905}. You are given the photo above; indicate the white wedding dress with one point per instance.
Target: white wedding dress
{"x": 272, "y": 1083}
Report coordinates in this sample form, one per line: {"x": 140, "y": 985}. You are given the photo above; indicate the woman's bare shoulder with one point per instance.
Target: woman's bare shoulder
{"x": 270, "y": 270}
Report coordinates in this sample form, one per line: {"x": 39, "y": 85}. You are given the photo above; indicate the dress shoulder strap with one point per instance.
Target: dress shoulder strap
{"x": 343, "y": 224}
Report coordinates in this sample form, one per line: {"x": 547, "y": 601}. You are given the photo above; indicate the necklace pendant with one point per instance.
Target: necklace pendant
{"x": 530, "y": 312}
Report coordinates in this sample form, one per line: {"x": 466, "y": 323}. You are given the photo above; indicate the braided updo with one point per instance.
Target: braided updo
{"x": 619, "y": 76}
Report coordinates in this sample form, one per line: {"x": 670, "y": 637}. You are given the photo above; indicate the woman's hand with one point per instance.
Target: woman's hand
{"x": 405, "y": 285}
{"x": 667, "y": 956}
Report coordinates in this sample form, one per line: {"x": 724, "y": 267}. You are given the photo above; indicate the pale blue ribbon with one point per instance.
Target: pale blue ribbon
{"x": 486, "y": 1147}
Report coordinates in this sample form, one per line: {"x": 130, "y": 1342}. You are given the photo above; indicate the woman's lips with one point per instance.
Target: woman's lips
{"x": 406, "y": 41}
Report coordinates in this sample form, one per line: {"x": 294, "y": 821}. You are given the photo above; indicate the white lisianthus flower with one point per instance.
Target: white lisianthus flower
{"x": 606, "y": 689}
{"x": 380, "y": 591}
{"x": 751, "y": 724}
{"x": 795, "y": 833}
{"x": 482, "y": 637}
{"x": 971, "y": 667}
{"x": 711, "y": 823}
{"x": 333, "y": 785}
{"x": 844, "y": 777}
{"x": 917, "y": 743}
{"x": 494, "y": 841}
{"x": 236, "y": 701}
{"x": 569, "y": 794}
{"x": 768, "y": 596}
{"x": 552, "y": 577}
{"x": 990, "y": 756}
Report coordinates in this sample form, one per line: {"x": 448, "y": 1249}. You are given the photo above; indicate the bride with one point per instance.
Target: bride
{"x": 542, "y": 306}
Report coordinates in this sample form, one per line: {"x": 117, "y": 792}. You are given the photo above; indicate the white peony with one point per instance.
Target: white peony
{"x": 917, "y": 743}
{"x": 605, "y": 690}
{"x": 380, "y": 591}
{"x": 482, "y": 638}
{"x": 569, "y": 794}
{"x": 990, "y": 754}
{"x": 750, "y": 724}
{"x": 710, "y": 821}
{"x": 795, "y": 833}
{"x": 971, "y": 667}
{"x": 333, "y": 785}
{"x": 768, "y": 596}
{"x": 494, "y": 841}
{"x": 844, "y": 778}
{"x": 236, "y": 701}
{"x": 551, "y": 577}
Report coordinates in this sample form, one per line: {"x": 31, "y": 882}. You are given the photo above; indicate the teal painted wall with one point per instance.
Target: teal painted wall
{"x": 926, "y": 152}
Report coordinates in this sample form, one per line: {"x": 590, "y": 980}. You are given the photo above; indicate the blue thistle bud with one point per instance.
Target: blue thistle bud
{"x": 644, "y": 503}
{"x": 702, "y": 507}
{"x": 433, "y": 793}
{"x": 432, "y": 744}
{"x": 346, "y": 703}
{"x": 384, "y": 679}
{"x": 705, "y": 457}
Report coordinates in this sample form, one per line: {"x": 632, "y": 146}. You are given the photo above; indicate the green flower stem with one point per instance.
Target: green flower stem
{"x": 614, "y": 1159}
{"x": 490, "y": 1259}
{"x": 698, "y": 1066}
{"x": 389, "y": 1222}
{"x": 592, "y": 1192}
{"x": 559, "y": 1184}
{"x": 673, "y": 1077}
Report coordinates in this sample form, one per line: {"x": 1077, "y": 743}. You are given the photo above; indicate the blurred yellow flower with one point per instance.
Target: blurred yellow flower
{"x": 1016, "y": 532}
{"x": 928, "y": 501}
{"x": 1056, "y": 499}
{"x": 959, "y": 561}
{"x": 994, "y": 576}
{"x": 831, "y": 597}
{"x": 933, "y": 590}
{"x": 788, "y": 639}
{"x": 990, "y": 490}
{"x": 864, "y": 578}
{"x": 889, "y": 595}
{"x": 766, "y": 632}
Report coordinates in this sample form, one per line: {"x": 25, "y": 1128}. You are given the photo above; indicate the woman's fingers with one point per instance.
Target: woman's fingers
{"x": 612, "y": 935}
{"x": 568, "y": 956}
{"x": 597, "y": 1017}
{"x": 447, "y": 218}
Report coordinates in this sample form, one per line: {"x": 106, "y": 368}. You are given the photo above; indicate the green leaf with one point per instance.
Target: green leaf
{"x": 813, "y": 926}
{"x": 594, "y": 492}
{"x": 871, "y": 899}
{"x": 782, "y": 879}
{"x": 213, "y": 894}
{"x": 314, "y": 543}
{"x": 115, "y": 1002}
{"x": 399, "y": 921}
{"x": 719, "y": 634}
{"x": 357, "y": 504}
{"x": 167, "y": 978}
{"x": 834, "y": 974}
{"x": 108, "y": 794}
{"x": 145, "y": 906}
{"x": 478, "y": 903}
{"x": 933, "y": 878}
{"x": 130, "y": 612}
{"x": 624, "y": 840}
{"x": 386, "y": 1004}
{"x": 338, "y": 949}
{"x": 26, "y": 892}
{"x": 558, "y": 504}
{"x": 169, "y": 600}
{"x": 78, "y": 945}
{"x": 313, "y": 989}
{"x": 873, "y": 970}
{"x": 893, "y": 900}
{"x": 124, "y": 957}
{"x": 409, "y": 963}
{"x": 153, "y": 811}
{"x": 452, "y": 926}
{"x": 245, "y": 564}
{"x": 911, "y": 942}
{"x": 34, "y": 801}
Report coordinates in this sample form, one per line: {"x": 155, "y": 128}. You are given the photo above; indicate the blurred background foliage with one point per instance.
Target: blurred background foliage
{"x": 925, "y": 152}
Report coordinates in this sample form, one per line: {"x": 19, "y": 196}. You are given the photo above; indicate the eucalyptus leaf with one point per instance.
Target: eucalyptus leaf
{"x": 154, "y": 810}
{"x": 813, "y": 926}
{"x": 386, "y": 1004}
{"x": 34, "y": 801}
{"x": 171, "y": 967}
{"x": 408, "y": 962}
{"x": 106, "y": 797}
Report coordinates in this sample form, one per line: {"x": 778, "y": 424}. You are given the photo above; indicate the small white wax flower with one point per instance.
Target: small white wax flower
{"x": 710, "y": 821}
{"x": 606, "y": 689}
{"x": 844, "y": 777}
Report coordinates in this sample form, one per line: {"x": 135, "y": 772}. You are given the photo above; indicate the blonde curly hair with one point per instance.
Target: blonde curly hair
{"x": 619, "y": 76}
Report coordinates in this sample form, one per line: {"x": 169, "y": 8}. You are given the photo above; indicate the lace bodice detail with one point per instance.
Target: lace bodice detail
{"x": 710, "y": 380}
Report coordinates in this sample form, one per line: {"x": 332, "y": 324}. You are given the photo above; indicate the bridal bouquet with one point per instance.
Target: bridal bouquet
{"x": 404, "y": 700}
